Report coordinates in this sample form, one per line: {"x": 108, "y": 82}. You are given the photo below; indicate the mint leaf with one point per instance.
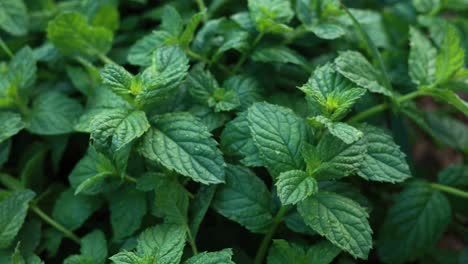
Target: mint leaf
{"x": 341, "y": 220}
{"x": 329, "y": 93}
{"x": 449, "y": 97}
{"x": 171, "y": 201}
{"x": 281, "y": 54}
{"x": 323, "y": 252}
{"x": 340, "y": 130}
{"x": 94, "y": 246}
{"x": 422, "y": 59}
{"x": 244, "y": 199}
{"x": 54, "y": 113}
{"x": 454, "y": 175}
{"x": 224, "y": 256}
{"x": 279, "y": 135}
{"x": 13, "y": 212}
{"x": 384, "y": 161}
{"x": 283, "y": 252}
{"x": 246, "y": 88}
{"x": 181, "y": 143}
{"x": 118, "y": 127}
{"x": 355, "y": 67}
{"x": 271, "y": 16}
{"x": 12, "y": 124}
{"x": 14, "y": 17}
{"x": 414, "y": 223}
{"x": 451, "y": 56}
{"x": 294, "y": 186}
{"x": 73, "y": 36}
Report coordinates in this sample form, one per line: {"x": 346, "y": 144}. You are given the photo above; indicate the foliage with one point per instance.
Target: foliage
{"x": 218, "y": 131}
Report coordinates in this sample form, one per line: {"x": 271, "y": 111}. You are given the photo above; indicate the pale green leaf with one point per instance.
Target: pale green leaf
{"x": 383, "y": 161}
{"x": 12, "y": 123}
{"x": 13, "y": 211}
{"x": 341, "y": 220}
{"x": 422, "y": 59}
{"x": 219, "y": 257}
{"x": 182, "y": 143}
{"x": 327, "y": 30}
{"x": 343, "y": 131}
{"x": 271, "y": 16}
{"x": 73, "y": 36}
{"x": 14, "y": 17}
{"x": 414, "y": 224}
{"x": 279, "y": 135}
{"x": 54, "y": 113}
{"x": 451, "y": 56}
{"x": 354, "y": 66}
{"x": 295, "y": 186}
{"x": 244, "y": 199}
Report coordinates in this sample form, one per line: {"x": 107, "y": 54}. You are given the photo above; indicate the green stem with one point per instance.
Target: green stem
{"x": 384, "y": 106}
{"x": 5, "y": 48}
{"x": 192, "y": 242}
{"x": 451, "y": 190}
{"x": 202, "y": 7}
{"x": 130, "y": 178}
{"x": 247, "y": 54}
{"x": 266, "y": 240}
{"x": 105, "y": 59}
{"x": 372, "y": 48}
{"x": 197, "y": 56}
{"x": 54, "y": 224}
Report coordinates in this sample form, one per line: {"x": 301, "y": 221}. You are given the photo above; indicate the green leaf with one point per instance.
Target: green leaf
{"x": 279, "y": 135}
{"x": 73, "y": 210}
{"x": 281, "y": 54}
{"x": 219, "y": 257}
{"x": 118, "y": 127}
{"x": 323, "y": 253}
{"x": 163, "y": 243}
{"x": 182, "y": 143}
{"x": 13, "y": 211}
{"x": 171, "y": 201}
{"x": 295, "y": 186}
{"x": 451, "y": 56}
{"x": 244, "y": 199}
{"x": 455, "y": 175}
{"x": 281, "y": 251}
{"x": 5, "y": 148}
{"x": 14, "y": 17}
{"x": 332, "y": 158}
{"x": 341, "y": 220}
{"x": 271, "y": 16}
{"x": 141, "y": 52}
{"x": 384, "y": 161}
{"x": 348, "y": 134}
{"x": 199, "y": 207}
{"x": 449, "y": 97}
{"x": 94, "y": 246}
{"x": 414, "y": 224}
{"x": 11, "y": 125}
{"x": 422, "y": 59}
{"x": 246, "y": 88}
{"x": 22, "y": 71}
{"x": 427, "y": 6}
{"x": 107, "y": 16}
{"x": 90, "y": 174}
{"x": 163, "y": 77}
{"x": 201, "y": 84}
{"x": 237, "y": 141}
{"x": 73, "y": 36}
{"x": 327, "y": 30}
{"x": 187, "y": 36}
{"x": 120, "y": 81}
{"x": 127, "y": 208}
{"x": 355, "y": 67}
{"x": 54, "y": 113}
{"x": 171, "y": 21}
{"x": 329, "y": 93}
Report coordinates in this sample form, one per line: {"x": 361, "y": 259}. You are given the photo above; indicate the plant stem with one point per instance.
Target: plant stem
{"x": 384, "y": 106}
{"x": 451, "y": 190}
{"x": 247, "y": 53}
{"x": 54, "y": 224}
{"x": 202, "y": 7}
{"x": 372, "y": 48}
{"x": 266, "y": 240}
{"x": 5, "y": 48}
{"x": 130, "y": 178}
{"x": 105, "y": 59}
{"x": 197, "y": 56}
{"x": 192, "y": 242}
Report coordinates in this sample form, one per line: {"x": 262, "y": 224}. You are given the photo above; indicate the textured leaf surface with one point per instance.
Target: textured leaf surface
{"x": 11, "y": 125}
{"x": 13, "y": 17}
{"x": 451, "y": 56}
{"x": 271, "y": 15}
{"x": 182, "y": 143}
{"x": 383, "y": 161}
{"x": 281, "y": 54}
{"x": 341, "y": 220}
{"x": 13, "y": 211}
{"x": 454, "y": 175}
{"x": 73, "y": 36}
{"x": 73, "y": 210}
{"x": 354, "y": 66}
{"x": 279, "y": 135}
{"x": 323, "y": 253}
{"x": 283, "y": 252}
{"x": 54, "y": 113}
{"x": 219, "y": 257}
{"x": 422, "y": 59}
{"x": 244, "y": 199}
{"x": 343, "y": 131}
{"x": 164, "y": 243}
{"x": 414, "y": 223}
{"x": 119, "y": 127}
{"x": 294, "y": 186}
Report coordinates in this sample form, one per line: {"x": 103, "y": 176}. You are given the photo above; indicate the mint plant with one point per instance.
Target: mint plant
{"x": 259, "y": 131}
